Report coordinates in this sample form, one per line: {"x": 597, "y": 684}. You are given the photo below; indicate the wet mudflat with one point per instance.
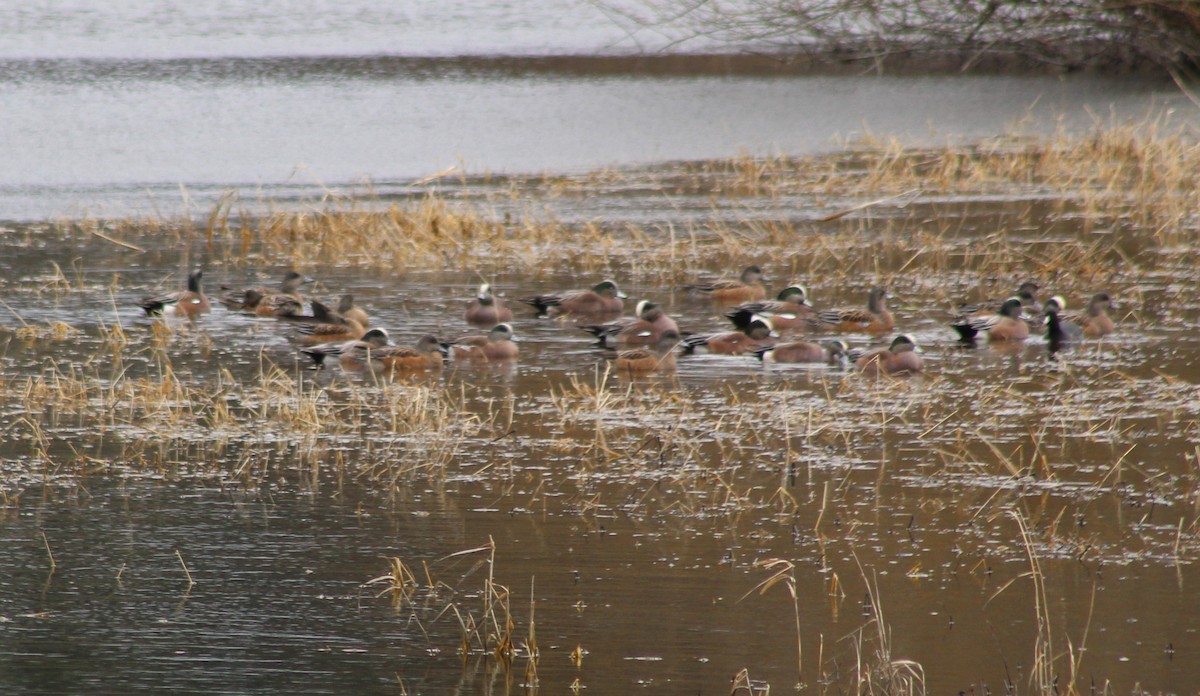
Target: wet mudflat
{"x": 1006, "y": 520}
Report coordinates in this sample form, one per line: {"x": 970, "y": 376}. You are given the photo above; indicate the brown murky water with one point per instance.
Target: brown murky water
{"x": 637, "y": 513}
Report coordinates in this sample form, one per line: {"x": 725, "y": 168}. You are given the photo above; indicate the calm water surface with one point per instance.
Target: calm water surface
{"x": 119, "y": 111}
{"x": 644, "y": 561}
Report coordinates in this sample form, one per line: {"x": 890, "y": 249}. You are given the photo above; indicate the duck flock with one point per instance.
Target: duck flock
{"x": 649, "y": 340}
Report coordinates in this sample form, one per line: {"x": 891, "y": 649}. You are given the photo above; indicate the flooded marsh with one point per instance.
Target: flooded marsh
{"x": 193, "y": 506}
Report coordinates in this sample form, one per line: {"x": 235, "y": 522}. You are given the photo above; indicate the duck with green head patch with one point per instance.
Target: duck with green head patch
{"x": 604, "y": 298}
{"x": 788, "y": 311}
{"x": 499, "y": 344}
{"x": 1004, "y": 325}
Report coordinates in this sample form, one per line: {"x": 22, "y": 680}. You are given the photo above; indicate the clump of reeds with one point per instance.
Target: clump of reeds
{"x": 1132, "y": 179}
{"x": 488, "y": 630}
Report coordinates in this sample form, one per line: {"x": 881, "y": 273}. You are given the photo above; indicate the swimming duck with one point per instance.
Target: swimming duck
{"x": 497, "y": 345}
{"x": 758, "y": 335}
{"x": 789, "y": 310}
{"x": 901, "y": 357}
{"x": 657, "y": 358}
{"x": 188, "y": 303}
{"x": 352, "y": 355}
{"x": 1004, "y": 325}
{"x": 827, "y": 352}
{"x": 486, "y": 309}
{"x": 269, "y": 303}
{"x": 875, "y": 319}
{"x": 644, "y": 329}
{"x": 603, "y": 298}
{"x": 748, "y": 288}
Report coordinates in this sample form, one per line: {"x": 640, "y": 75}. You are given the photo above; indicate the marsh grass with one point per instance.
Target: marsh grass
{"x": 486, "y": 630}
{"x": 406, "y": 430}
{"x": 1061, "y": 445}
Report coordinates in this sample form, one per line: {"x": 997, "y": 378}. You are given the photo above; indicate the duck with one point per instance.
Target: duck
{"x": 428, "y": 354}
{"x": 901, "y": 357}
{"x": 349, "y": 310}
{"x": 353, "y": 354}
{"x": 875, "y": 319}
{"x": 758, "y": 335}
{"x": 643, "y": 329}
{"x": 498, "y": 344}
{"x": 1026, "y": 292}
{"x": 325, "y": 326}
{"x": 789, "y": 310}
{"x": 189, "y": 303}
{"x": 1004, "y": 325}
{"x": 486, "y": 309}
{"x": 604, "y": 298}
{"x": 1095, "y": 323}
{"x": 748, "y": 288}
{"x": 270, "y": 303}
{"x": 1060, "y": 333}
{"x": 827, "y": 352}
{"x": 657, "y": 358}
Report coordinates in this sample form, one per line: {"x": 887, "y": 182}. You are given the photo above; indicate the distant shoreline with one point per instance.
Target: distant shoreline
{"x": 910, "y": 62}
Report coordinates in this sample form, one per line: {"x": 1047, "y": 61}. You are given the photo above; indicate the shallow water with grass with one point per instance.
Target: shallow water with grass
{"x": 193, "y": 507}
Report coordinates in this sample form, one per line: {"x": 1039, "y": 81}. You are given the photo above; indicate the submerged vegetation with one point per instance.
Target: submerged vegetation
{"x": 1011, "y": 460}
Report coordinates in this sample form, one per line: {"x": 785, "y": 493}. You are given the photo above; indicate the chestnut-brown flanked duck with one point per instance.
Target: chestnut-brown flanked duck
{"x": 657, "y": 358}
{"x": 748, "y": 287}
{"x": 901, "y": 357}
{"x": 485, "y": 309}
{"x": 499, "y": 344}
{"x": 189, "y": 303}
{"x": 604, "y": 298}
{"x": 874, "y": 319}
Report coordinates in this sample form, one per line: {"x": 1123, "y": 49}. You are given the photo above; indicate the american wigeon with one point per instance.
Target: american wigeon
{"x": 269, "y": 303}
{"x": 759, "y": 334}
{"x": 875, "y": 319}
{"x": 604, "y": 298}
{"x": 657, "y": 358}
{"x": 1095, "y": 323}
{"x": 1027, "y": 293}
{"x": 188, "y": 303}
{"x": 353, "y": 355}
{"x": 497, "y": 345}
{"x": 827, "y": 352}
{"x": 789, "y": 310}
{"x": 325, "y": 326}
{"x": 1005, "y": 325}
{"x": 1060, "y": 333}
{"x": 966, "y": 313}
{"x": 428, "y": 354}
{"x": 748, "y": 288}
{"x": 902, "y": 357}
{"x": 644, "y": 329}
{"x": 349, "y": 310}
{"x": 485, "y": 309}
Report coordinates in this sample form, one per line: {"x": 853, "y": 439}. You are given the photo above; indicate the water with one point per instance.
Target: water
{"x": 637, "y": 525}
{"x": 643, "y": 557}
{"x": 144, "y": 109}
